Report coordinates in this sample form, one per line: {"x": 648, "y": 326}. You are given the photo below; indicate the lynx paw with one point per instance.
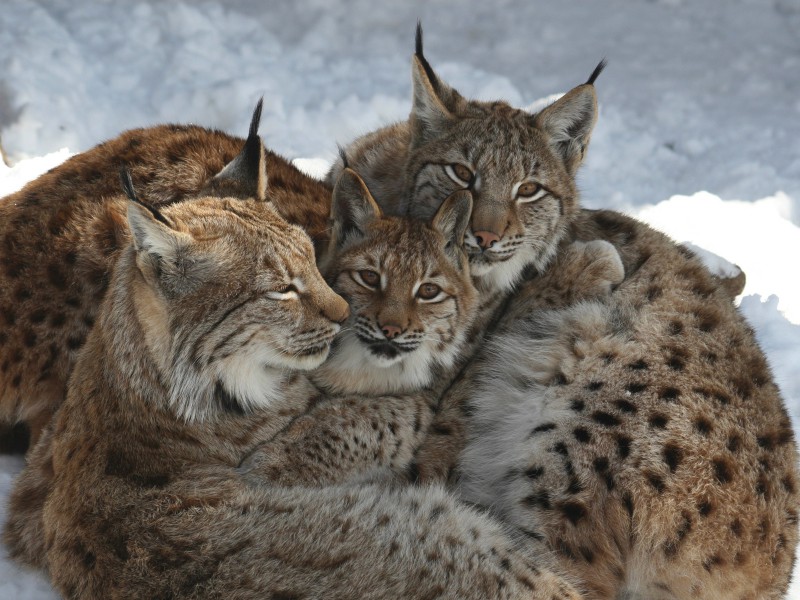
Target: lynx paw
{"x": 594, "y": 268}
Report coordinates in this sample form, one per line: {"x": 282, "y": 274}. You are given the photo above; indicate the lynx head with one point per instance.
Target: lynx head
{"x": 409, "y": 290}
{"x": 520, "y": 168}
{"x": 228, "y": 295}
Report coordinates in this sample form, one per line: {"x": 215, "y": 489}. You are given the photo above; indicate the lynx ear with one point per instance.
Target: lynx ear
{"x": 452, "y": 219}
{"x": 150, "y": 235}
{"x": 569, "y": 121}
{"x": 246, "y": 175}
{"x": 434, "y": 101}
{"x": 353, "y": 208}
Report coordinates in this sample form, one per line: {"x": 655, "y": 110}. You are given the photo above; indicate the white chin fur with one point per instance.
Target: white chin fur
{"x": 352, "y": 369}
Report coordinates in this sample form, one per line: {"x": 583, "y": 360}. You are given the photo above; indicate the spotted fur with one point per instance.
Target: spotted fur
{"x": 143, "y": 498}
{"x": 638, "y": 434}
{"x": 62, "y": 233}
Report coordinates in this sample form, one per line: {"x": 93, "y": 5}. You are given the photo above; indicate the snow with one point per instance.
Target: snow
{"x": 698, "y": 129}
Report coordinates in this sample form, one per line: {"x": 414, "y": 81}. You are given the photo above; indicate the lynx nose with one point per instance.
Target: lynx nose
{"x": 337, "y": 310}
{"x": 391, "y": 331}
{"x": 486, "y": 239}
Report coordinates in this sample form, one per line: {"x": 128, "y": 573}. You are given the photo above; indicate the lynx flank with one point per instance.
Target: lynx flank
{"x": 147, "y": 500}
{"x": 640, "y": 436}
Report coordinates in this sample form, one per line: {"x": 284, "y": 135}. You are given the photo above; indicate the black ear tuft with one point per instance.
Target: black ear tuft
{"x": 434, "y": 80}
{"x": 343, "y": 156}
{"x": 245, "y": 176}
{"x": 597, "y": 70}
{"x": 251, "y": 154}
{"x": 255, "y": 120}
{"x": 127, "y": 187}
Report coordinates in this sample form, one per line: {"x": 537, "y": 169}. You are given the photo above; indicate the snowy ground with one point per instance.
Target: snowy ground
{"x": 698, "y": 129}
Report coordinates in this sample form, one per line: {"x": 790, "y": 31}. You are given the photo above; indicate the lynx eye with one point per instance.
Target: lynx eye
{"x": 529, "y": 191}
{"x": 367, "y": 278}
{"x": 286, "y": 292}
{"x": 428, "y": 291}
{"x": 460, "y": 174}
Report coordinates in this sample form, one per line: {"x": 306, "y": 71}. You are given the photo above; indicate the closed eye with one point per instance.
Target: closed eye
{"x": 287, "y": 292}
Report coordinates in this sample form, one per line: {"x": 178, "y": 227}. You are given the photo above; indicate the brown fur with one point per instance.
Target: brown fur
{"x": 62, "y": 233}
{"x": 658, "y": 459}
{"x": 145, "y": 504}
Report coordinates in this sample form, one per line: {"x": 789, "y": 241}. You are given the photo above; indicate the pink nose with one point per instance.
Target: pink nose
{"x": 391, "y": 331}
{"x": 486, "y": 239}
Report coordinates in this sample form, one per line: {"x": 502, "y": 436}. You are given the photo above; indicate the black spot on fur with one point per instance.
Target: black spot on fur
{"x": 577, "y": 405}
{"x": 676, "y": 362}
{"x": 582, "y": 434}
{"x": 573, "y": 511}
{"x": 626, "y": 406}
{"x": 734, "y": 442}
{"x": 705, "y": 508}
{"x": 627, "y": 501}
{"x": 669, "y": 394}
{"x": 654, "y": 292}
{"x": 604, "y": 418}
{"x": 658, "y": 421}
{"x": 723, "y": 469}
{"x": 540, "y": 499}
{"x": 623, "y": 446}
{"x": 635, "y": 388}
{"x": 639, "y": 365}
{"x": 675, "y": 328}
{"x": 703, "y": 426}
{"x": 534, "y": 472}
{"x": 672, "y": 456}
{"x": 656, "y": 481}
{"x": 594, "y": 386}
{"x": 542, "y": 428}
{"x": 736, "y": 528}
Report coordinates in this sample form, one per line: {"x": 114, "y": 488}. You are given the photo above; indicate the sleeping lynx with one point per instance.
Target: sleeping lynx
{"x": 61, "y": 235}
{"x": 147, "y": 499}
{"x": 640, "y": 436}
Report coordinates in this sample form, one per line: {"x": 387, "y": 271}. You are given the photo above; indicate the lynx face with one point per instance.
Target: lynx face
{"x": 230, "y": 293}
{"x": 408, "y": 287}
{"x": 519, "y": 167}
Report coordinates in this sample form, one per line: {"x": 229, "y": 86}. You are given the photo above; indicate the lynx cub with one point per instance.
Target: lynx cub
{"x": 640, "y": 436}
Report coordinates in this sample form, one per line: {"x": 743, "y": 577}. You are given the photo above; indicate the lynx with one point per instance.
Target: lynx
{"x": 62, "y": 233}
{"x": 640, "y": 435}
{"x": 146, "y": 496}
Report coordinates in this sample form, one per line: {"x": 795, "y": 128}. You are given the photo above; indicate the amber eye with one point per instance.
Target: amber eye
{"x": 528, "y": 189}
{"x": 428, "y": 291}
{"x": 370, "y": 278}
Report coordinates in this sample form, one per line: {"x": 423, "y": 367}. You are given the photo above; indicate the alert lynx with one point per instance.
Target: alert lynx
{"x": 640, "y": 436}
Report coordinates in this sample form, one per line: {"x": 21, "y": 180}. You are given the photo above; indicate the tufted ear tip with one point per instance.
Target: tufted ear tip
{"x": 246, "y": 175}
{"x": 596, "y": 73}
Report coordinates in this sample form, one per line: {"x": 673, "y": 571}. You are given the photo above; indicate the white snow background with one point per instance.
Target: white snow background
{"x": 698, "y": 130}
